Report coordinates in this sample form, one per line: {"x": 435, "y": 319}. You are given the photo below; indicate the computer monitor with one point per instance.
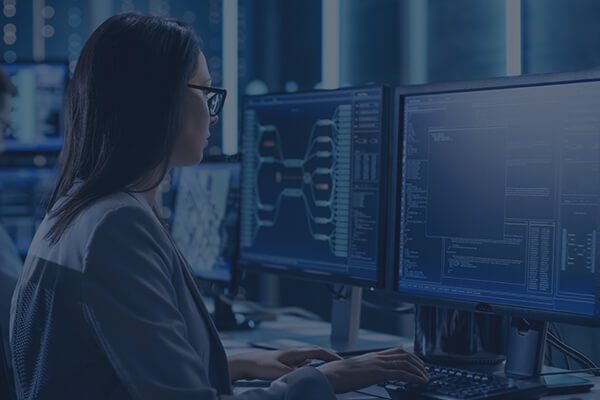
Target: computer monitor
{"x": 313, "y": 202}
{"x": 203, "y": 203}
{"x": 498, "y": 189}
{"x": 24, "y": 196}
{"x": 36, "y": 119}
{"x": 313, "y": 184}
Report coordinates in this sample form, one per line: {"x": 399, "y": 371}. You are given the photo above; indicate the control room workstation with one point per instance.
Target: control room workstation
{"x": 327, "y": 199}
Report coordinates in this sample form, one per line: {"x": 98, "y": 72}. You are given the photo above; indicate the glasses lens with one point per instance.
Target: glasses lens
{"x": 215, "y": 104}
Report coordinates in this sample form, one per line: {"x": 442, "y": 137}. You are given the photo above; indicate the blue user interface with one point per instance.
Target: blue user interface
{"x": 312, "y": 182}
{"x": 501, "y": 195}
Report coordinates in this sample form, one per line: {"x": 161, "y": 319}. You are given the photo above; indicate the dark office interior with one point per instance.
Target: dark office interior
{"x": 422, "y": 174}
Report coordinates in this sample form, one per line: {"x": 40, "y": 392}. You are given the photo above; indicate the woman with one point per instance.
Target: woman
{"x": 106, "y": 307}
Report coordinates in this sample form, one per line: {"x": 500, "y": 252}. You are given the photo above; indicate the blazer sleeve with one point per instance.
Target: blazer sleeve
{"x": 130, "y": 306}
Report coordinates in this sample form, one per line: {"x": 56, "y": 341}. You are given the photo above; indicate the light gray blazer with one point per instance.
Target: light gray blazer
{"x": 112, "y": 311}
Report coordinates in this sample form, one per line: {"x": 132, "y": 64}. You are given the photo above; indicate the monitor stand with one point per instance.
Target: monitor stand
{"x": 525, "y": 357}
{"x": 344, "y": 338}
{"x": 452, "y": 337}
{"x": 526, "y": 347}
{"x": 524, "y": 350}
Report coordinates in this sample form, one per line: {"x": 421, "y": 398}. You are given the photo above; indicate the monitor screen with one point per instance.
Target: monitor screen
{"x": 204, "y": 201}
{"x": 36, "y": 118}
{"x": 24, "y": 196}
{"x": 312, "y": 183}
{"x": 500, "y": 197}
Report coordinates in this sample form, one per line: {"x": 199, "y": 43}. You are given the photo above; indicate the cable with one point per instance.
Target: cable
{"x": 560, "y": 346}
{"x": 566, "y": 349}
{"x": 557, "y": 331}
{"x": 549, "y": 353}
{"x": 567, "y": 353}
{"x": 567, "y": 362}
{"x": 583, "y": 363}
{"x": 572, "y": 350}
{"x": 560, "y": 337}
{"x": 574, "y": 354}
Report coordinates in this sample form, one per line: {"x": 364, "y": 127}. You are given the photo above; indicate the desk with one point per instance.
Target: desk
{"x": 287, "y": 327}
{"x": 594, "y": 394}
{"x": 297, "y": 329}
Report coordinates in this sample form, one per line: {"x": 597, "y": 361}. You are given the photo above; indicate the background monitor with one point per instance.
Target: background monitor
{"x": 204, "y": 217}
{"x": 24, "y": 196}
{"x": 36, "y": 119}
{"x": 313, "y": 183}
{"x": 500, "y": 195}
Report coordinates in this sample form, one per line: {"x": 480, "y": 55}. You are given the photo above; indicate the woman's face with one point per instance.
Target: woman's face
{"x": 196, "y": 120}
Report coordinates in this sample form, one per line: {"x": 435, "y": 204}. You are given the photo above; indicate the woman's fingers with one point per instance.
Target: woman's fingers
{"x": 400, "y": 351}
{"x": 284, "y": 368}
{"x": 406, "y": 376}
{"x": 406, "y": 356}
{"x": 302, "y": 357}
{"x": 393, "y": 350}
{"x": 305, "y": 363}
{"x": 319, "y": 354}
{"x": 403, "y": 355}
{"x": 407, "y": 366}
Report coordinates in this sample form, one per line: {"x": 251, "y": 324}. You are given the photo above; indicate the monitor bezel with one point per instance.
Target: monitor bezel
{"x": 61, "y": 120}
{"x": 316, "y": 275}
{"x": 397, "y": 199}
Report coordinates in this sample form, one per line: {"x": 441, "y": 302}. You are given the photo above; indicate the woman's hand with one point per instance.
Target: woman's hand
{"x": 271, "y": 365}
{"x": 374, "y": 368}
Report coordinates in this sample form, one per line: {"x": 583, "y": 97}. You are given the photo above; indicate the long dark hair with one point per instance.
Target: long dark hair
{"x": 123, "y": 110}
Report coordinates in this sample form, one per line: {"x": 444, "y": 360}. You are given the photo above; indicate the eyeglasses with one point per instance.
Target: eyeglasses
{"x": 215, "y": 100}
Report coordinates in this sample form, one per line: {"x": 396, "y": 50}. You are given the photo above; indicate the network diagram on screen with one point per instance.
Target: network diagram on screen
{"x": 311, "y": 174}
{"x": 205, "y": 217}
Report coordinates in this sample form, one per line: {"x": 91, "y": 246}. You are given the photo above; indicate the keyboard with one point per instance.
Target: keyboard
{"x": 453, "y": 383}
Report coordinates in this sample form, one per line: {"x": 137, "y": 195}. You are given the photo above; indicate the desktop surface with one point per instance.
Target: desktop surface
{"x": 300, "y": 330}
{"x": 312, "y": 175}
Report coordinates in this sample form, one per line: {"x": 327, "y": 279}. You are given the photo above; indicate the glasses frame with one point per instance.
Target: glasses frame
{"x": 216, "y": 91}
